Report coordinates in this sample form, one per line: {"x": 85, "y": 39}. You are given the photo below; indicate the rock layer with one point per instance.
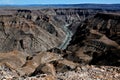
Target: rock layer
{"x": 96, "y": 40}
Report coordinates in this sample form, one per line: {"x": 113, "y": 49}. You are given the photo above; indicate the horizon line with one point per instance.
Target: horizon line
{"x": 58, "y": 4}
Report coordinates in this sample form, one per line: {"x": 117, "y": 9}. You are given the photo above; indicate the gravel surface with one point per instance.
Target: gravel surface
{"x": 91, "y": 73}
{"x": 80, "y": 73}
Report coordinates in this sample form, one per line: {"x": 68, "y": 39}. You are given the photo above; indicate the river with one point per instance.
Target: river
{"x": 67, "y": 38}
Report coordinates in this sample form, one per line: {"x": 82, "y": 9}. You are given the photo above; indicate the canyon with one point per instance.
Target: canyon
{"x": 59, "y": 44}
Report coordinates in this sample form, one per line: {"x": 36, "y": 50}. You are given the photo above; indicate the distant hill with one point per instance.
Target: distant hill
{"x": 90, "y": 6}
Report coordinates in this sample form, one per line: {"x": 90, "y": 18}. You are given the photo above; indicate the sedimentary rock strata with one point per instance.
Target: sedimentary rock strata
{"x": 97, "y": 38}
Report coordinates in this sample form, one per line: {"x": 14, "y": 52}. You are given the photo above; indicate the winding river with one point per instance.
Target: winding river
{"x": 67, "y": 38}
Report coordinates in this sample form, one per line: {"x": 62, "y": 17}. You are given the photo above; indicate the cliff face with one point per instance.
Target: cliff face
{"x": 108, "y": 24}
{"x": 40, "y": 30}
{"x": 37, "y": 30}
{"x": 21, "y": 34}
{"x": 97, "y": 39}
{"x": 28, "y": 31}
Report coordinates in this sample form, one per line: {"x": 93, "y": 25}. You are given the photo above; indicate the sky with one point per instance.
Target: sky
{"x": 27, "y": 2}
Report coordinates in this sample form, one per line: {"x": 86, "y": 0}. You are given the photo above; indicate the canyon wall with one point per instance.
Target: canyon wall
{"x": 37, "y": 30}
{"x": 96, "y": 40}
{"x": 26, "y": 31}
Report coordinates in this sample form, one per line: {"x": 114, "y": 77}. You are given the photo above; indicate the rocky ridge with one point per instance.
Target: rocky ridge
{"x": 51, "y": 66}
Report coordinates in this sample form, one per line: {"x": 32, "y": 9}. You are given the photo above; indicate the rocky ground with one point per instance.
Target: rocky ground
{"x": 51, "y": 66}
{"x": 80, "y": 73}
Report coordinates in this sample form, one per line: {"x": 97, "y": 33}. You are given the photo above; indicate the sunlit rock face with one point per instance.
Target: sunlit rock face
{"x": 20, "y": 63}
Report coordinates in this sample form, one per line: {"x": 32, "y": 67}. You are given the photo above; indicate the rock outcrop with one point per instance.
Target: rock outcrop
{"x": 50, "y": 66}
